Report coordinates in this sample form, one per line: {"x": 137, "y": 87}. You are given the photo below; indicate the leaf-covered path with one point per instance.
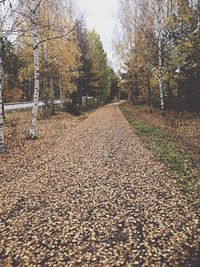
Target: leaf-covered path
{"x": 94, "y": 196}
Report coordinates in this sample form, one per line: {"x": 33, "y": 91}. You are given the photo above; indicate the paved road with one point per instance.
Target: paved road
{"x": 93, "y": 195}
{"x": 23, "y": 105}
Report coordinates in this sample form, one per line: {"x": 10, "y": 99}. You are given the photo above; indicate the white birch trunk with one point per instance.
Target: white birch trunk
{"x": 32, "y": 128}
{"x": 160, "y": 77}
{"x": 52, "y": 96}
{"x": 1, "y": 100}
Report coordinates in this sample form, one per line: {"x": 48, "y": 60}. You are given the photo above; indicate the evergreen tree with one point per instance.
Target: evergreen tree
{"x": 100, "y": 65}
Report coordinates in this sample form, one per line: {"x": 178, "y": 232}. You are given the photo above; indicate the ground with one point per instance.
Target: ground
{"x": 173, "y": 139}
{"x": 89, "y": 193}
{"x": 184, "y": 127}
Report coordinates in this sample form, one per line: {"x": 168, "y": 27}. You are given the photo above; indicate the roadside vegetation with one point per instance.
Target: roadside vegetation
{"x": 181, "y": 159}
{"x": 16, "y": 122}
{"x": 53, "y": 55}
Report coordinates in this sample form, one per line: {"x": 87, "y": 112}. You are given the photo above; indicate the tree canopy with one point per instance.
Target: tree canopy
{"x": 159, "y": 49}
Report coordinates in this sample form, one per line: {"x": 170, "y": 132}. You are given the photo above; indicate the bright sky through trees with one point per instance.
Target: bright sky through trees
{"x": 101, "y": 15}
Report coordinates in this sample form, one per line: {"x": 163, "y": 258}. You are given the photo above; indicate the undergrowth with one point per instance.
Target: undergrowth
{"x": 178, "y": 161}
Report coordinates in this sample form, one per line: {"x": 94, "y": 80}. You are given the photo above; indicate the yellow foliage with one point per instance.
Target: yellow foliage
{"x": 59, "y": 52}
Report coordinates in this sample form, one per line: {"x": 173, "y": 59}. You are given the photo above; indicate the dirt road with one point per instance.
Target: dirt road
{"x": 93, "y": 195}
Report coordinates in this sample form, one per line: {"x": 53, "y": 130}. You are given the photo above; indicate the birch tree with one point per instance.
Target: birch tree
{"x": 49, "y": 23}
{"x": 35, "y": 39}
{"x": 1, "y": 90}
{"x": 158, "y": 8}
{"x": 30, "y": 15}
{"x": 145, "y": 24}
{"x": 135, "y": 35}
{"x": 7, "y": 27}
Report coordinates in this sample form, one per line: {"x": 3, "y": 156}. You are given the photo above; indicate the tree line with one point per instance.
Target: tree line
{"x": 47, "y": 52}
{"x": 158, "y": 47}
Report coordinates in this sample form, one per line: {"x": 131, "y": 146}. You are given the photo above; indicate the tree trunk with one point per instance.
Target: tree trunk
{"x": 46, "y": 102}
{"x": 169, "y": 90}
{"x": 32, "y": 129}
{"x": 178, "y": 97}
{"x": 29, "y": 89}
{"x": 3, "y": 108}
{"x": 61, "y": 93}
{"x": 160, "y": 78}
{"x": 130, "y": 97}
{"x": 80, "y": 94}
{"x": 1, "y": 100}
{"x": 149, "y": 93}
{"x": 52, "y": 96}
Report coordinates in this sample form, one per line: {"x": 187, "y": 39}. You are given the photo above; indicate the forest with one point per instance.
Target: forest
{"x": 158, "y": 47}
{"x": 99, "y": 154}
{"x": 48, "y": 53}
{"x": 158, "y": 51}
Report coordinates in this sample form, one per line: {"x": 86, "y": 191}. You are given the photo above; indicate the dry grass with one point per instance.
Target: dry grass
{"x": 184, "y": 128}
{"x": 175, "y": 146}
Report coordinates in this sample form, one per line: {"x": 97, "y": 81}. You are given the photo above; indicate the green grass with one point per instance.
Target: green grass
{"x": 172, "y": 154}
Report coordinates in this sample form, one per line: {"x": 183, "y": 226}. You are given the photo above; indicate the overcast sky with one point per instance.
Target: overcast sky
{"x": 101, "y": 15}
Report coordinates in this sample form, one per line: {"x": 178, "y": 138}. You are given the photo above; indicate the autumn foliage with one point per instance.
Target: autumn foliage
{"x": 159, "y": 53}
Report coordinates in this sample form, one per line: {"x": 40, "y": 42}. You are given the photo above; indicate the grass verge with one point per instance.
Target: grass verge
{"x": 176, "y": 159}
